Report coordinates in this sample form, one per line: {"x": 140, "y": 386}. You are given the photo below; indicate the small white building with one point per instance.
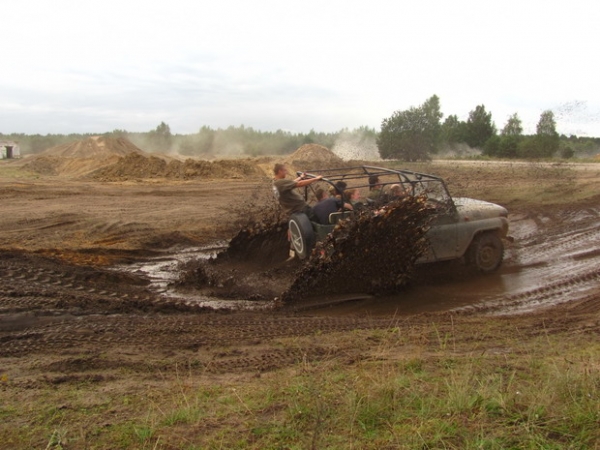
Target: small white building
{"x": 9, "y": 150}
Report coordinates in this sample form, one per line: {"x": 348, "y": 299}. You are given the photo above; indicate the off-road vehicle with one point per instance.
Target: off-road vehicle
{"x": 459, "y": 228}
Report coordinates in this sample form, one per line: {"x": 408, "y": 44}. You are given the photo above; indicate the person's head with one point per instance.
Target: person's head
{"x": 396, "y": 190}
{"x": 279, "y": 170}
{"x": 352, "y": 194}
{"x": 340, "y": 186}
{"x": 374, "y": 182}
{"x": 321, "y": 194}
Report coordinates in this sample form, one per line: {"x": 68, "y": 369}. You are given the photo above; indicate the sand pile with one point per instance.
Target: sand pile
{"x": 313, "y": 156}
{"x": 81, "y": 157}
{"x": 139, "y": 166}
{"x": 108, "y": 159}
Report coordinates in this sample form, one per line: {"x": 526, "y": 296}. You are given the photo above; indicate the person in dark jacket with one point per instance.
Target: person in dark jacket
{"x": 327, "y": 205}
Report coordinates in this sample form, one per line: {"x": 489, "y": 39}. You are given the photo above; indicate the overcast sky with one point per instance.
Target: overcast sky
{"x": 73, "y": 66}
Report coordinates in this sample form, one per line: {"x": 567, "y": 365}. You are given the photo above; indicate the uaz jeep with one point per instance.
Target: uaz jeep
{"x": 460, "y": 227}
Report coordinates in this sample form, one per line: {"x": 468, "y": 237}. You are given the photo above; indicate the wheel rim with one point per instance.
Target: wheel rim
{"x": 297, "y": 241}
{"x": 488, "y": 256}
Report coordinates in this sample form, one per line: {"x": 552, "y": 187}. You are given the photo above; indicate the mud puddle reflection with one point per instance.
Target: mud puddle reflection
{"x": 163, "y": 271}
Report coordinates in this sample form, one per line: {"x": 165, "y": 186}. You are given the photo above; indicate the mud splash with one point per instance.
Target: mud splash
{"x": 370, "y": 253}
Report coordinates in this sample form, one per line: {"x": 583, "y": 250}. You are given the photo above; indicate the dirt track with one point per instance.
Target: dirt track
{"x": 67, "y": 315}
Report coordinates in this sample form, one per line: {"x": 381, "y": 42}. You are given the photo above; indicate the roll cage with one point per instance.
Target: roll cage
{"x": 414, "y": 183}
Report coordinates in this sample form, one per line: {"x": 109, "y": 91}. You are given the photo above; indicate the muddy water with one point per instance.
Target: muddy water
{"x": 162, "y": 272}
{"x": 553, "y": 259}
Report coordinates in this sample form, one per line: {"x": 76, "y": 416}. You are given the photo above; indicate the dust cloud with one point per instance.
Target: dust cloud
{"x": 356, "y": 146}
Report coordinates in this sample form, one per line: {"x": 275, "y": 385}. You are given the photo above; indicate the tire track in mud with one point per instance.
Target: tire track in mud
{"x": 26, "y": 289}
{"x": 172, "y": 333}
{"x": 561, "y": 260}
{"x": 55, "y": 309}
{"x": 272, "y": 359}
{"x": 548, "y": 226}
{"x": 559, "y": 246}
{"x": 552, "y": 294}
{"x": 34, "y": 289}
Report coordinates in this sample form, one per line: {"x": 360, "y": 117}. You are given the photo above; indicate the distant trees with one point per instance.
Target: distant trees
{"x": 512, "y": 144}
{"x": 207, "y": 141}
{"x": 413, "y": 134}
{"x": 513, "y": 126}
{"x": 546, "y": 133}
{"x": 507, "y": 144}
{"x": 545, "y": 143}
{"x": 453, "y": 131}
{"x": 36, "y": 143}
{"x": 416, "y": 134}
{"x": 479, "y": 127}
{"x": 160, "y": 139}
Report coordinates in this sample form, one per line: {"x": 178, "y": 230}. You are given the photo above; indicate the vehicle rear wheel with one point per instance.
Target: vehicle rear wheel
{"x": 486, "y": 252}
{"x": 302, "y": 235}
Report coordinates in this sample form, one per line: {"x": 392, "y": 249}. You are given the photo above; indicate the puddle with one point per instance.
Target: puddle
{"x": 548, "y": 266}
{"x": 162, "y": 271}
{"x": 560, "y": 267}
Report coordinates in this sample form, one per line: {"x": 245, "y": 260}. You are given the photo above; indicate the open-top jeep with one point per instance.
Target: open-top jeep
{"x": 459, "y": 227}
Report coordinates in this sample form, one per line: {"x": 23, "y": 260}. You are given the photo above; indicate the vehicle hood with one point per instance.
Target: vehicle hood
{"x": 471, "y": 209}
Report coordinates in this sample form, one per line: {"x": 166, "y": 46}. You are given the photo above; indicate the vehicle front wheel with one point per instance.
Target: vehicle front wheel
{"x": 301, "y": 234}
{"x": 486, "y": 252}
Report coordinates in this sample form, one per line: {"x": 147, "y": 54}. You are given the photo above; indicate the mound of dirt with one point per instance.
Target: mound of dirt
{"x": 81, "y": 157}
{"x": 96, "y": 147}
{"x": 314, "y": 156}
{"x": 108, "y": 159}
{"x": 140, "y": 166}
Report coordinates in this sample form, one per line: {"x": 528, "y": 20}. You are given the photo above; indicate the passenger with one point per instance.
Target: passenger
{"x": 337, "y": 190}
{"x": 285, "y": 191}
{"x": 327, "y": 205}
{"x": 352, "y": 196}
{"x": 340, "y": 187}
{"x": 374, "y": 189}
{"x": 397, "y": 192}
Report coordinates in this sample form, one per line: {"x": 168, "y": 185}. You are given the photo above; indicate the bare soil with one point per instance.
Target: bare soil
{"x": 70, "y": 312}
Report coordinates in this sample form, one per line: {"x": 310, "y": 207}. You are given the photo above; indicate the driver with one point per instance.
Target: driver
{"x": 285, "y": 191}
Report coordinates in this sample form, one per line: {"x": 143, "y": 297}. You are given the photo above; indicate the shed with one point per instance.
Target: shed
{"x": 9, "y": 150}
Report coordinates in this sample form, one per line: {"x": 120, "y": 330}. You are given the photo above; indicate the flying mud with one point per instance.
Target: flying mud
{"x": 373, "y": 252}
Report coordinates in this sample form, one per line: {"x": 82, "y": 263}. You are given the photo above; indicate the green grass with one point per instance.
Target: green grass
{"x": 529, "y": 396}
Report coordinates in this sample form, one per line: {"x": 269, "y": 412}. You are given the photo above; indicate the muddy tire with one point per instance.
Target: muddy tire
{"x": 301, "y": 234}
{"x": 486, "y": 252}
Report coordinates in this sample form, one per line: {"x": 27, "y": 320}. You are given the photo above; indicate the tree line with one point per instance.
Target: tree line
{"x": 418, "y": 133}
{"x": 205, "y": 142}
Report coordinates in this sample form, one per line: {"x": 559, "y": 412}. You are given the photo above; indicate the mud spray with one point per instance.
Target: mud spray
{"x": 373, "y": 252}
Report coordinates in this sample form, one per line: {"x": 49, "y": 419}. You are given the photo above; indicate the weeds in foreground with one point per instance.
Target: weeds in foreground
{"x": 397, "y": 395}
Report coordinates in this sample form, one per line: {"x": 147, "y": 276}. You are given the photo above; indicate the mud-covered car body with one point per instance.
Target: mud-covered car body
{"x": 460, "y": 227}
